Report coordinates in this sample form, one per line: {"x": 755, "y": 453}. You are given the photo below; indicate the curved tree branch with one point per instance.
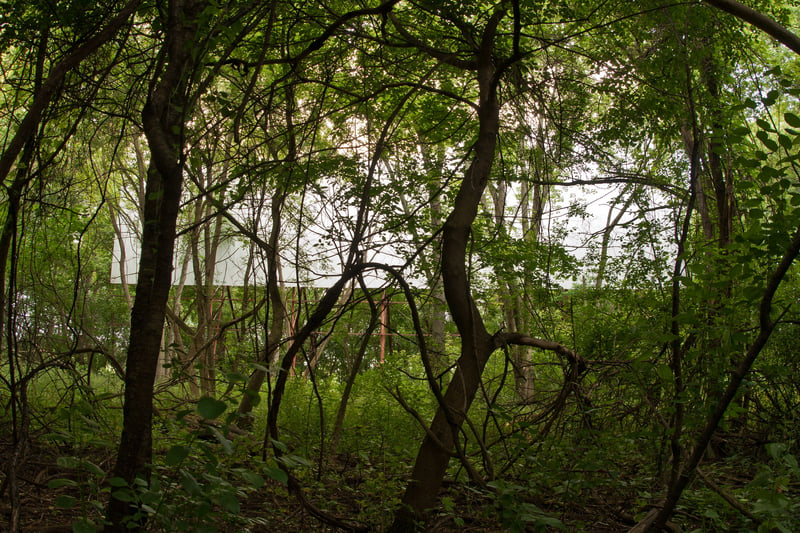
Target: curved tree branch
{"x": 760, "y": 21}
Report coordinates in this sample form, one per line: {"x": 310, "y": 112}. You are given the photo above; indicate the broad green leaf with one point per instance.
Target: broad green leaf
{"x": 277, "y": 474}
{"x": 253, "y": 478}
{"x": 771, "y": 98}
{"x": 226, "y": 444}
{"x": 190, "y": 484}
{"x": 763, "y": 136}
{"x": 93, "y": 468}
{"x": 764, "y": 125}
{"x": 665, "y": 373}
{"x": 228, "y": 501}
{"x": 65, "y": 501}
{"x": 235, "y": 377}
{"x": 210, "y": 408}
{"x": 775, "y": 449}
{"x": 125, "y": 495}
{"x": 176, "y": 455}
{"x": 792, "y": 119}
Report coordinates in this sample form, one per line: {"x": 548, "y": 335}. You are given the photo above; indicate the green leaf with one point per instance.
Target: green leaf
{"x": 211, "y": 408}
{"x": 125, "y": 495}
{"x": 278, "y": 444}
{"x": 792, "y": 119}
{"x": 253, "y": 478}
{"x": 764, "y": 125}
{"x": 763, "y": 136}
{"x": 236, "y": 377}
{"x": 176, "y": 455}
{"x": 665, "y": 373}
{"x": 57, "y": 483}
{"x": 226, "y": 444}
{"x": 785, "y": 141}
{"x": 771, "y": 98}
{"x": 93, "y": 468}
{"x": 190, "y": 484}
{"x": 775, "y": 449}
{"x": 147, "y": 509}
{"x": 228, "y": 501}
{"x": 277, "y": 474}
{"x": 64, "y": 501}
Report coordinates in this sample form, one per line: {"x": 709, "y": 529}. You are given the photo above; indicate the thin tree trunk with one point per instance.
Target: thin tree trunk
{"x": 610, "y": 225}
{"x": 278, "y": 316}
{"x": 766, "y": 327}
{"x": 439, "y": 444}
{"x": 374, "y": 321}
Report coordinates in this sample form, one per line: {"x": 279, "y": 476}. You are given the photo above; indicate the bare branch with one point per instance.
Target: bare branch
{"x": 521, "y": 339}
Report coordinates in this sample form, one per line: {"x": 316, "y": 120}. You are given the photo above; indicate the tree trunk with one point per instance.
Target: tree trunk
{"x": 611, "y": 224}
{"x": 163, "y": 118}
{"x": 277, "y": 310}
{"x": 374, "y": 321}
{"x": 476, "y": 343}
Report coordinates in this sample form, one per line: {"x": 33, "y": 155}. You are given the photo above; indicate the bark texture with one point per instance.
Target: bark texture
{"x": 163, "y": 118}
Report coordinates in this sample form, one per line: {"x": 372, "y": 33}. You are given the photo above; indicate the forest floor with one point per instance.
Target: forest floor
{"x": 59, "y": 484}
{"x": 44, "y": 505}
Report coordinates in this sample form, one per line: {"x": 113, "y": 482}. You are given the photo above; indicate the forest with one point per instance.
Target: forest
{"x": 399, "y": 265}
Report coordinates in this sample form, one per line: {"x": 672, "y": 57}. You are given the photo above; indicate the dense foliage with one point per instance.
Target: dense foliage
{"x": 443, "y": 266}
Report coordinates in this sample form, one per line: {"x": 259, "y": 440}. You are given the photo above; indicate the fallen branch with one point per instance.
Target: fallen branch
{"x": 733, "y": 502}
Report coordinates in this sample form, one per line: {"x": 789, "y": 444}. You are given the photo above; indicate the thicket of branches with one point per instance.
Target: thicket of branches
{"x": 506, "y": 264}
